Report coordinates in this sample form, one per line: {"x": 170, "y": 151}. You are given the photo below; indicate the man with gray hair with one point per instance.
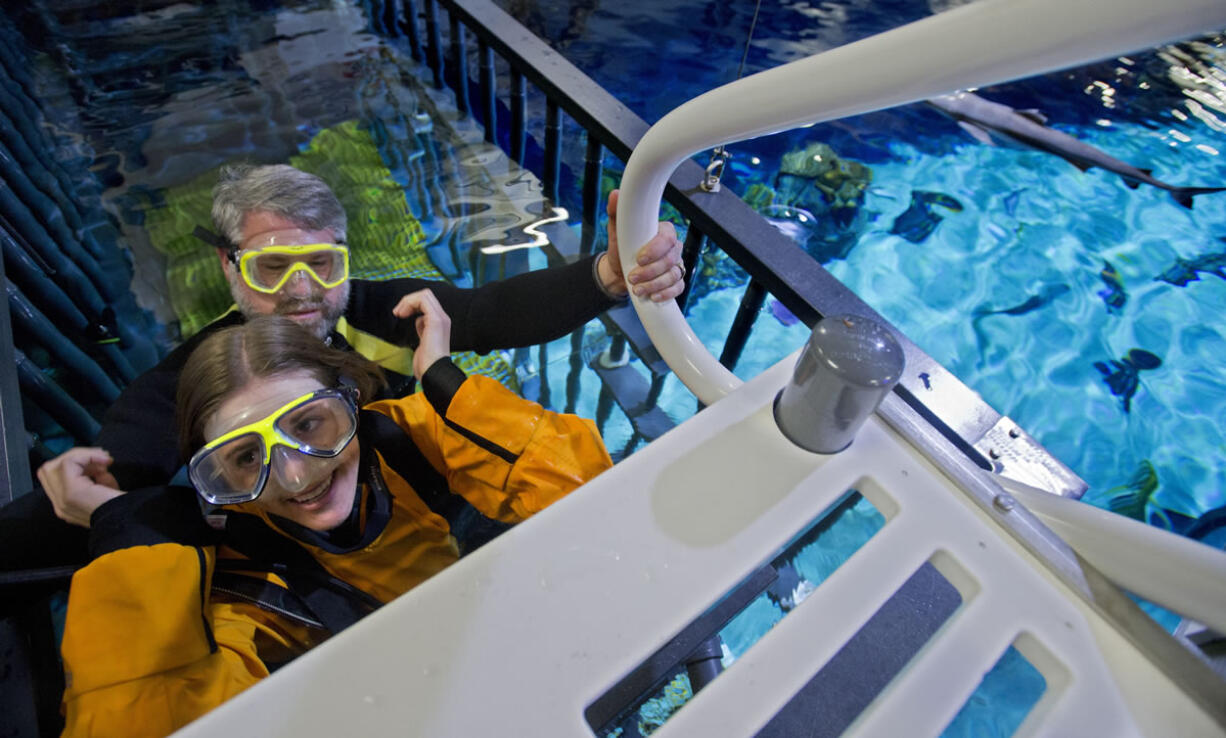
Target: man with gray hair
{"x": 283, "y": 250}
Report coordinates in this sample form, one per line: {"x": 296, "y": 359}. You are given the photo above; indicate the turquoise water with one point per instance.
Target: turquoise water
{"x": 1028, "y": 222}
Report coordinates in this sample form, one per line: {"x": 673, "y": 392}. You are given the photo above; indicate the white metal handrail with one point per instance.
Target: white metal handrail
{"x": 982, "y": 43}
{"x": 985, "y": 42}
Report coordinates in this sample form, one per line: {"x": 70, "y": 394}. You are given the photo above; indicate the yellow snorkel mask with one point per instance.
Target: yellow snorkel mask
{"x": 269, "y": 268}
{"x": 234, "y": 467}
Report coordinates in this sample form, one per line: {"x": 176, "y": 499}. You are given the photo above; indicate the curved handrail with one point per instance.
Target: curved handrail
{"x": 1182, "y": 575}
{"x": 982, "y": 43}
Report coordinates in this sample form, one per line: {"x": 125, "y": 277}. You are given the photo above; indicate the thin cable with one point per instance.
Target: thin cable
{"x": 748, "y": 39}
{"x": 720, "y": 155}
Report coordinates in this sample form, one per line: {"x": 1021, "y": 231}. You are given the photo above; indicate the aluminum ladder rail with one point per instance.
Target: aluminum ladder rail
{"x": 521, "y": 636}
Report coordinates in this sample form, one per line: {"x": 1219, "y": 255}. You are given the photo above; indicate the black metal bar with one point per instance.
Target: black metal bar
{"x": 593, "y": 165}
{"x": 705, "y": 663}
{"x": 33, "y": 679}
{"x": 604, "y": 407}
{"x": 434, "y": 47}
{"x": 14, "y": 458}
{"x": 657, "y": 386}
{"x": 691, "y": 250}
{"x": 459, "y": 66}
{"x": 544, "y": 396}
{"x": 390, "y": 27}
{"x": 553, "y": 150}
{"x": 742, "y": 324}
{"x": 575, "y": 375}
{"x": 662, "y": 664}
{"x": 804, "y": 287}
{"x": 519, "y": 104}
{"x": 489, "y": 91}
{"x": 617, "y": 349}
{"x": 408, "y": 26}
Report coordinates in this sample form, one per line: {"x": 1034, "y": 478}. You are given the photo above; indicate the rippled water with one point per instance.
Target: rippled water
{"x": 1029, "y": 222}
{"x": 159, "y": 112}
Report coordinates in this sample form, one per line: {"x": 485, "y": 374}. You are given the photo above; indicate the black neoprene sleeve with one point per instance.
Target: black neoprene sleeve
{"x": 523, "y": 310}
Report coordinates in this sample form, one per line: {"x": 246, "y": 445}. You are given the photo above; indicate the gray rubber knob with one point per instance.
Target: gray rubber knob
{"x": 844, "y": 372}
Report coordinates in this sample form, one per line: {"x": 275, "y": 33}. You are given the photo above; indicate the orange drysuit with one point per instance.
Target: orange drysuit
{"x": 148, "y": 647}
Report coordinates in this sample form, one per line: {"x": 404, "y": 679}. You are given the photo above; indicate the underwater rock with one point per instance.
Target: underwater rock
{"x": 817, "y": 200}
{"x": 714, "y": 271}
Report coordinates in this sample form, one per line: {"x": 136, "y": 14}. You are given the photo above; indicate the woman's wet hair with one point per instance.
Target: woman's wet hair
{"x": 266, "y": 346}
{"x": 301, "y": 198}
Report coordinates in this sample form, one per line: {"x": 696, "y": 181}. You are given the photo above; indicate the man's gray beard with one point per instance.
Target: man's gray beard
{"x": 329, "y": 314}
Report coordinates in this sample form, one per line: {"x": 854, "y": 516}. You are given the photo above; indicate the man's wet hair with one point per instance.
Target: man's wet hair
{"x": 302, "y": 198}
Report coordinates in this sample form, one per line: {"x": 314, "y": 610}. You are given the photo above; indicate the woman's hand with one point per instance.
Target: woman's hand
{"x": 77, "y": 482}
{"x": 433, "y": 328}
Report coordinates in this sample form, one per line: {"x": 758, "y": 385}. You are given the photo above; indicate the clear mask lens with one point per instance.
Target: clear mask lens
{"x": 304, "y": 438}
{"x": 295, "y": 471}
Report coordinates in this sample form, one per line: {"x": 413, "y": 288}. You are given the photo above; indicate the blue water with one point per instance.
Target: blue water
{"x": 1028, "y": 221}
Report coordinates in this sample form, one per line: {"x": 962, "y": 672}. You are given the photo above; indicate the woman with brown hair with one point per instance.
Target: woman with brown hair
{"x": 321, "y": 511}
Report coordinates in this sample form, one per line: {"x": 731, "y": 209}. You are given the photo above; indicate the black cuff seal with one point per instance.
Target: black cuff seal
{"x": 440, "y": 383}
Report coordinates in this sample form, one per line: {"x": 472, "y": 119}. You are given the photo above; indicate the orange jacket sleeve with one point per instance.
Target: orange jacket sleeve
{"x": 145, "y": 652}
{"x": 507, "y": 456}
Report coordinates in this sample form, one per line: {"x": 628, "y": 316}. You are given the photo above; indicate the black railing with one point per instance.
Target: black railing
{"x": 775, "y": 263}
{"x": 60, "y": 250}
{"x": 64, "y": 269}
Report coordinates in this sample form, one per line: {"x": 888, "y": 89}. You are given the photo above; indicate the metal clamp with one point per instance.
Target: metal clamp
{"x": 710, "y": 182}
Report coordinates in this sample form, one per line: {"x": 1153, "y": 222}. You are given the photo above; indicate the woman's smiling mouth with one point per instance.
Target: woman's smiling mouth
{"x": 313, "y": 497}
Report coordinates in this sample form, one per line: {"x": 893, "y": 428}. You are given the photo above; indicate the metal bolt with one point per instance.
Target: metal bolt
{"x": 993, "y": 453}
{"x": 1015, "y": 433}
{"x": 1004, "y": 502}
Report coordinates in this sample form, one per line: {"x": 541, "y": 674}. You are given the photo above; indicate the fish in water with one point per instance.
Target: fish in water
{"x": 782, "y": 314}
{"x": 1114, "y": 295}
{"x": 1044, "y": 296}
{"x": 1132, "y": 497}
{"x": 1188, "y": 270}
{"x": 1123, "y": 376}
{"x": 989, "y": 122}
{"x": 1011, "y": 200}
{"x": 918, "y": 221}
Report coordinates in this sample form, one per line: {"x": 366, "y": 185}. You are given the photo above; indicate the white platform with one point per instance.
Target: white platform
{"x": 520, "y": 637}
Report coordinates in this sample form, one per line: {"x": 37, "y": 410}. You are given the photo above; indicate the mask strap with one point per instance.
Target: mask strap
{"x": 212, "y": 239}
